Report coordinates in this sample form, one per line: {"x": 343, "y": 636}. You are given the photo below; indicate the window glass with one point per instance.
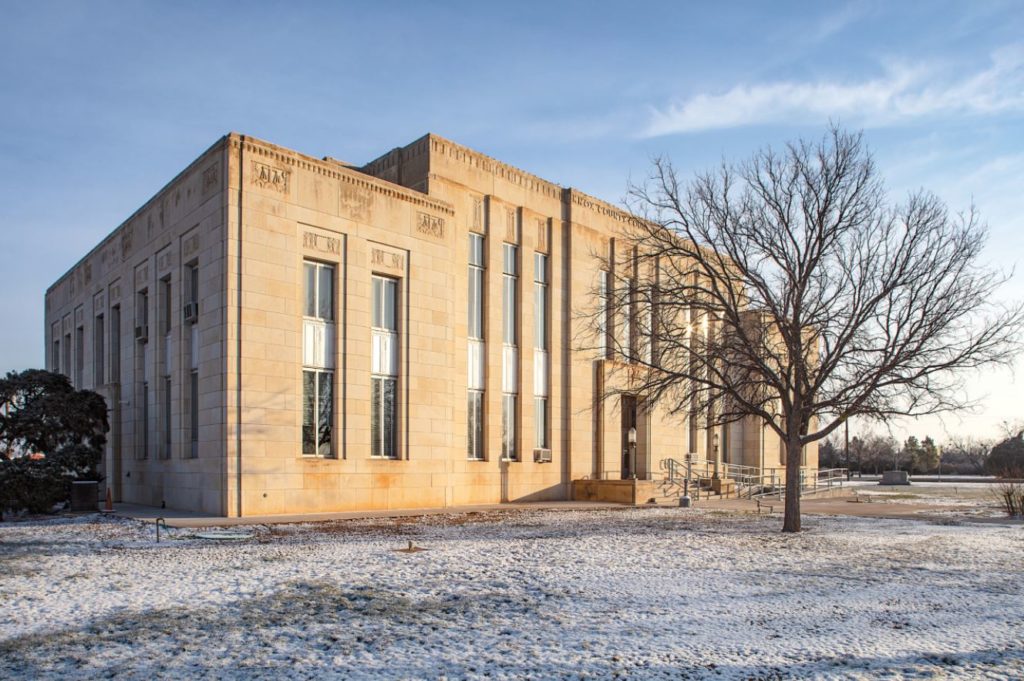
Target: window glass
{"x": 194, "y": 413}
{"x": 540, "y": 268}
{"x": 385, "y": 301}
{"x": 193, "y": 284}
{"x": 476, "y": 322}
{"x": 375, "y": 417}
{"x": 325, "y": 292}
{"x": 390, "y": 300}
{"x": 540, "y": 316}
{"x": 377, "y": 294}
{"x": 309, "y": 270}
{"x": 389, "y": 425}
{"x": 540, "y": 421}
{"x": 308, "y": 412}
{"x": 325, "y": 412}
{"x": 475, "y": 422}
{"x": 476, "y": 250}
{"x": 508, "y": 312}
{"x": 508, "y": 427}
{"x": 509, "y": 259}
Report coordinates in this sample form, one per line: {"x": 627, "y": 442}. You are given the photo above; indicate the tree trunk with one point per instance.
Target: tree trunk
{"x": 794, "y": 455}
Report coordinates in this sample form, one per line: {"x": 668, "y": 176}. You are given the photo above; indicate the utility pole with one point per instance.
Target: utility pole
{"x": 846, "y": 447}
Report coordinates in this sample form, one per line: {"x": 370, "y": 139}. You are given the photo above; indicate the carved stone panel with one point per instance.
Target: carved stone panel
{"x": 142, "y": 275}
{"x": 512, "y": 225}
{"x": 190, "y": 245}
{"x": 211, "y": 181}
{"x": 430, "y": 225}
{"x": 311, "y": 241}
{"x": 266, "y": 176}
{"x": 127, "y": 235}
{"x": 98, "y": 303}
{"x": 356, "y": 202}
{"x": 476, "y": 220}
{"x": 541, "y": 225}
{"x": 387, "y": 259}
{"x": 115, "y": 291}
{"x": 164, "y": 260}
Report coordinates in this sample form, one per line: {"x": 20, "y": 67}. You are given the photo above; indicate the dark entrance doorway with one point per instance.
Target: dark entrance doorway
{"x": 628, "y": 404}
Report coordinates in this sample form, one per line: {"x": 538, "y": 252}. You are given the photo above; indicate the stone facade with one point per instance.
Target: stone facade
{"x": 197, "y": 320}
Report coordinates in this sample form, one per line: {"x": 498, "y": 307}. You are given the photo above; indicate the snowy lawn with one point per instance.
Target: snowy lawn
{"x": 970, "y": 499}
{"x": 634, "y": 593}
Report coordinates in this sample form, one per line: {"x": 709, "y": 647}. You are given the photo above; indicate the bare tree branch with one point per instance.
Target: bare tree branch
{"x": 789, "y": 287}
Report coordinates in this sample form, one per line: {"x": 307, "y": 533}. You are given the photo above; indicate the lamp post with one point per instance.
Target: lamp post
{"x": 714, "y": 444}
{"x": 631, "y": 437}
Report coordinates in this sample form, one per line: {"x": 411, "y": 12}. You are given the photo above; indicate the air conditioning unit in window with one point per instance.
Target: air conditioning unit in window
{"x": 542, "y": 455}
{"x": 191, "y": 312}
{"x": 142, "y": 333}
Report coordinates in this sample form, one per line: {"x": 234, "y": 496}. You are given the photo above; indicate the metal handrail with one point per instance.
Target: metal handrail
{"x": 750, "y": 481}
{"x": 822, "y": 480}
{"x": 688, "y": 474}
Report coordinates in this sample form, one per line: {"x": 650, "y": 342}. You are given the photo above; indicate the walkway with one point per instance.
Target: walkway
{"x": 175, "y": 518}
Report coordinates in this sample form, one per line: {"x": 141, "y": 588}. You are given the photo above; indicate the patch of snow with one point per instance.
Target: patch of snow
{"x": 637, "y": 593}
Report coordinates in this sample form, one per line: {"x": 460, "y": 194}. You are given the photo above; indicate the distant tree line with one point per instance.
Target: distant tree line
{"x": 873, "y": 453}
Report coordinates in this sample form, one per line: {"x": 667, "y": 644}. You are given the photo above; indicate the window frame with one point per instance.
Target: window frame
{"x": 385, "y": 317}
{"x": 320, "y": 376}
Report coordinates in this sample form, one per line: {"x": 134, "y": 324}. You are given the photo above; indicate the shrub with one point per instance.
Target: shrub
{"x": 1007, "y": 458}
{"x": 1011, "y": 498}
{"x": 50, "y": 435}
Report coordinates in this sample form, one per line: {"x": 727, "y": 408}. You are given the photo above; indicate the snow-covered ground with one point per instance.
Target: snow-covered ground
{"x": 637, "y": 593}
{"x": 977, "y": 499}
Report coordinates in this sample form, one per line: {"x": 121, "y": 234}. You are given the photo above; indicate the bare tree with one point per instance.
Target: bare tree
{"x": 966, "y": 454}
{"x": 788, "y": 287}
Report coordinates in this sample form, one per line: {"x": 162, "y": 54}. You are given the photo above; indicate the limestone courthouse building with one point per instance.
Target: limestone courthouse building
{"x": 276, "y": 333}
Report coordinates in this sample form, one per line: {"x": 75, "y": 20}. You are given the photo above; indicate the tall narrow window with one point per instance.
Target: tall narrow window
{"x": 384, "y": 369}
{"x": 143, "y": 370}
{"x": 626, "y": 319}
{"x": 99, "y": 352}
{"x": 541, "y": 356}
{"x": 475, "y": 350}
{"x": 80, "y": 357}
{"x": 193, "y": 396}
{"x": 67, "y": 355}
{"x": 145, "y": 419}
{"x": 166, "y": 320}
{"x": 166, "y": 399}
{"x": 142, "y": 316}
{"x": 55, "y": 355}
{"x": 191, "y": 318}
{"x": 115, "y": 344}
{"x": 318, "y": 360}
{"x": 193, "y": 284}
{"x": 510, "y": 351}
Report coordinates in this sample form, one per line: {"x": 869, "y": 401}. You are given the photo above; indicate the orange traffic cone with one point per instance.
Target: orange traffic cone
{"x": 109, "y": 507}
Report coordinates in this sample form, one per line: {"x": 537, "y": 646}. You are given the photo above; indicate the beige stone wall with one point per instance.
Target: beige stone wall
{"x": 181, "y": 225}
{"x": 252, "y": 213}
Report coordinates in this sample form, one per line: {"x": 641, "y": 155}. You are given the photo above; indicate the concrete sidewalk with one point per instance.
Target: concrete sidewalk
{"x": 175, "y": 518}
{"x": 850, "y": 505}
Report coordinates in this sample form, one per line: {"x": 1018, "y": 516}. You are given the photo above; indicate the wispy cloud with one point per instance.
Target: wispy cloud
{"x": 837, "y": 21}
{"x": 901, "y": 94}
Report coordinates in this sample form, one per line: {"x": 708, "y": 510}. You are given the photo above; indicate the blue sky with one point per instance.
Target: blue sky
{"x": 101, "y": 103}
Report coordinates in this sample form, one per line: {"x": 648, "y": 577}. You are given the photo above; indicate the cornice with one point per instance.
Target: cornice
{"x": 334, "y": 171}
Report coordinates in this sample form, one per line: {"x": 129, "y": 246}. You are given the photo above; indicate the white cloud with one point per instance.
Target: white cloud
{"x": 903, "y": 93}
